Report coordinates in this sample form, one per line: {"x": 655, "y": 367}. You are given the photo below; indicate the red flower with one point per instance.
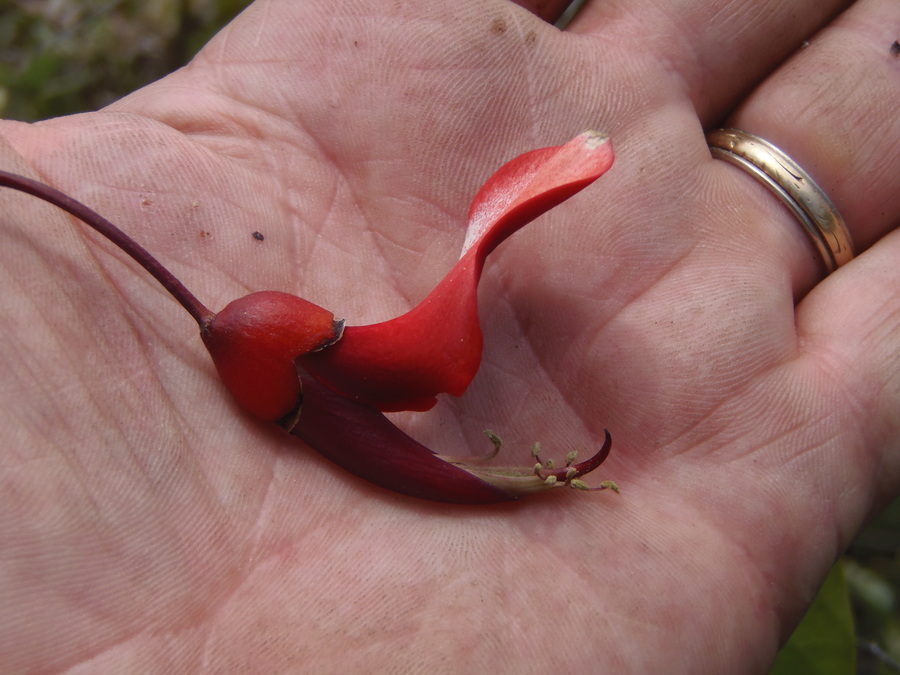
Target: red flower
{"x": 287, "y": 360}
{"x": 402, "y": 364}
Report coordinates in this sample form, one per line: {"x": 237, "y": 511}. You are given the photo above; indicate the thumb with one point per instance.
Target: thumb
{"x": 849, "y": 326}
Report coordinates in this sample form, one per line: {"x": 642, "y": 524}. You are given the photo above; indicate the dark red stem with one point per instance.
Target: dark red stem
{"x": 202, "y": 315}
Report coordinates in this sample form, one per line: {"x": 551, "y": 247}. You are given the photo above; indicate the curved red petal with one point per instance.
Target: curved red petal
{"x": 402, "y": 364}
{"x": 361, "y": 440}
{"x": 532, "y": 184}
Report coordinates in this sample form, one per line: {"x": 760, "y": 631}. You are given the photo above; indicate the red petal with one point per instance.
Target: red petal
{"x": 532, "y": 184}
{"x": 361, "y": 440}
{"x": 404, "y": 363}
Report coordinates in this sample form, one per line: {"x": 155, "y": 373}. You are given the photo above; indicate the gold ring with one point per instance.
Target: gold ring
{"x": 783, "y": 176}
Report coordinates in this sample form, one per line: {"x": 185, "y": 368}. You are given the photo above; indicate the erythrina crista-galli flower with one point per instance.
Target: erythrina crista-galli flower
{"x": 287, "y": 360}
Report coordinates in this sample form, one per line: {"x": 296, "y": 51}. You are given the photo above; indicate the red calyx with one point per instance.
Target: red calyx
{"x": 254, "y": 341}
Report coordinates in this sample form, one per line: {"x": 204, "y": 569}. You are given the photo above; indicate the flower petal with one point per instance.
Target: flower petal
{"x": 363, "y": 441}
{"x": 402, "y": 364}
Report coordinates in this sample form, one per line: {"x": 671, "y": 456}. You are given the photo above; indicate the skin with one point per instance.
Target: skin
{"x": 148, "y": 525}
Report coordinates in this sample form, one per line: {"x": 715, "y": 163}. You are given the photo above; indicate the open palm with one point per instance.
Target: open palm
{"x": 148, "y": 524}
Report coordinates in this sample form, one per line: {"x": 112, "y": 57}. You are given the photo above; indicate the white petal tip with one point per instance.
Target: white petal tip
{"x": 594, "y": 139}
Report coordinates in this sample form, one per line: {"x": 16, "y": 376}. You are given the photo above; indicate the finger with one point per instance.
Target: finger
{"x": 832, "y": 108}
{"x": 716, "y": 50}
{"x": 850, "y": 325}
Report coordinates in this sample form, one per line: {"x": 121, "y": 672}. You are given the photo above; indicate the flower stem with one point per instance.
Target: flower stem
{"x": 202, "y": 315}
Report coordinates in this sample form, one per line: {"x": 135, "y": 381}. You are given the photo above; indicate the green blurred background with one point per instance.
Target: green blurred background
{"x": 62, "y": 56}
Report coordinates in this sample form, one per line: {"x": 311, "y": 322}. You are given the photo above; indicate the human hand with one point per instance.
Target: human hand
{"x": 148, "y": 524}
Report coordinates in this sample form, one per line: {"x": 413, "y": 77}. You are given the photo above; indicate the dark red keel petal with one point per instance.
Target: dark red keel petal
{"x": 361, "y": 440}
{"x": 435, "y": 348}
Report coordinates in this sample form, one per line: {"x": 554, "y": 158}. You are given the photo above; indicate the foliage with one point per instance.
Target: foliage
{"x": 872, "y": 568}
{"x": 59, "y": 57}
{"x": 823, "y": 643}
{"x": 866, "y": 582}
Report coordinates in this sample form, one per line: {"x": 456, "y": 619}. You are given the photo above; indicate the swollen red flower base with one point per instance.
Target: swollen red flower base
{"x": 289, "y": 361}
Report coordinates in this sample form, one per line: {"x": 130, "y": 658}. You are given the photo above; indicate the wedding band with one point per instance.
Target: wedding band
{"x": 790, "y": 183}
